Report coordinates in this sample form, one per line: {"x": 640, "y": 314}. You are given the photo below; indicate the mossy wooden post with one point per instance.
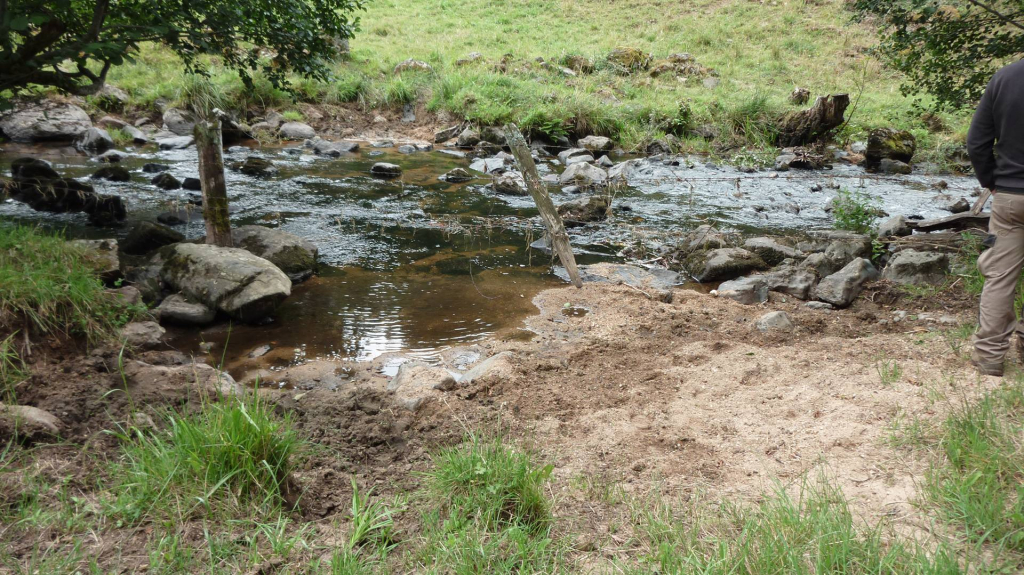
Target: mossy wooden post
{"x": 548, "y": 213}
{"x": 211, "y": 175}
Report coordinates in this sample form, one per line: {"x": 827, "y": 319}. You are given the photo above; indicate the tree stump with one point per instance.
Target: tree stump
{"x": 807, "y": 126}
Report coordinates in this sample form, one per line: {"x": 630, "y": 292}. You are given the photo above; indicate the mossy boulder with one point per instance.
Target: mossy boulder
{"x": 629, "y": 60}
{"x": 887, "y": 143}
{"x": 295, "y": 256}
{"x": 722, "y": 264}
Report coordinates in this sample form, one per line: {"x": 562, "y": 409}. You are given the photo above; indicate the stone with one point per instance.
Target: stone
{"x": 800, "y": 96}
{"x": 791, "y": 280}
{"x": 586, "y": 210}
{"x": 179, "y": 216}
{"x": 565, "y": 155}
{"x": 112, "y": 173}
{"x": 296, "y": 131}
{"x": 887, "y": 143}
{"x": 295, "y": 256}
{"x": 468, "y": 138}
{"x": 166, "y": 181}
{"x": 704, "y": 237}
{"x": 45, "y": 121}
{"x": 658, "y": 282}
{"x": 256, "y": 167}
{"x": 170, "y": 384}
{"x": 137, "y": 135}
{"x": 819, "y": 306}
{"x": 895, "y": 226}
{"x": 101, "y": 256}
{"x": 176, "y": 310}
{"x": 774, "y": 321}
{"x": 38, "y": 185}
{"x": 152, "y": 168}
{"x": 951, "y": 203}
{"x": 840, "y": 252}
{"x": 385, "y": 170}
{"x": 511, "y": 183}
{"x": 587, "y": 159}
{"x": 749, "y": 290}
{"x": 407, "y": 149}
{"x": 770, "y": 250}
{"x": 192, "y": 184}
{"x": 414, "y": 65}
{"x": 179, "y": 121}
{"x": 110, "y": 157}
{"x": 658, "y": 147}
{"x": 127, "y": 295}
{"x": 143, "y": 335}
{"x": 583, "y": 175}
{"x": 912, "y": 267}
{"x": 94, "y": 139}
{"x": 333, "y": 149}
{"x": 417, "y": 382}
{"x": 175, "y": 143}
{"x": 627, "y": 59}
{"x": 605, "y": 162}
{"x": 842, "y": 287}
{"x": 888, "y": 166}
{"x": 456, "y": 176}
{"x": 469, "y": 59}
{"x": 492, "y": 365}
{"x": 597, "y": 144}
{"x": 274, "y": 119}
{"x": 493, "y": 165}
{"x": 27, "y": 422}
{"x": 147, "y": 237}
{"x": 110, "y": 98}
{"x": 722, "y": 264}
{"x": 446, "y": 134}
{"x": 231, "y": 280}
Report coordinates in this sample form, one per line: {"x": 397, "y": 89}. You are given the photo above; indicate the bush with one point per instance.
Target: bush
{"x": 854, "y": 211}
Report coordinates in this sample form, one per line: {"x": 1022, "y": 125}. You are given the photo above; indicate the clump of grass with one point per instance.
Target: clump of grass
{"x": 372, "y": 522}
{"x": 12, "y": 370}
{"x": 889, "y": 371}
{"x": 48, "y": 284}
{"x": 978, "y": 483}
{"x": 235, "y": 452}
{"x": 853, "y": 211}
{"x": 292, "y": 115}
{"x": 120, "y": 137}
{"x": 813, "y": 532}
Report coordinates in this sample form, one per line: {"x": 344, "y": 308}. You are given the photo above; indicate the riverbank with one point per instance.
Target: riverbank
{"x": 632, "y": 433}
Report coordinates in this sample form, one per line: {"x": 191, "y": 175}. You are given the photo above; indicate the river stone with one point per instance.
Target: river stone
{"x": 565, "y": 155}
{"x": 95, "y": 139}
{"x": 166, "y": 181}
{"x": 179, "y": 121}
{"x": 274, "y": 119}
{"x": 152, "y": 168}
{"x": 791, "y": 280}
{"x": 295, "y": 256}
{"x": 231, "y": 280}
{"x": 722, "y": 264}
{"x": 111, "y": 123}
{"x": 774, "y": 321}
{"x": 417, "y": 382}
{"x": 386, "y": 170}
{"x": 407, "y": 149}
{"x": 583, "y": 175}
{"x": 770, "y": 250}
{"x": 192, "y": 184}
{"x": 658, "y": 282}
{"x": 951, "y": 203}
{"x": 101, "y": 256}
{"x": 27, "y": 422}
{"x": 38, "y": 185}
{"x": 175, "y": 143}
{"x": 838, "y": 254}
{"x": 896, "y": 167}
{"x": 45, "y": 121}
{"x": 895, "y": 226}
{"x": 112, "y": 173}
{"x": 581, "y": 159}
{"x": 511, "y": 183}
{"x": 749, "y": 290}
{"x": 137, "y": 135}
{"x": 332, "y": 149}
{"x": 446, "y": 134}
{"x": 704, "y": 237}
{"x": 169, "y": 384}
{"x": 496, "y": 364}
{"x": 468, "y": 138}
{"x": 147, "y": 237}
{"x": 597, "y": 143}
{"x": 488, "y": 165}
{"x": 177, "y": 310}
{"x": 255, "y": 167}
{"x": 912, "y": 267}
{"x": 586, "y": 210}
{"x": 888, "y": 143}
{"x": 143, "y": 335}
{"x": 457, "y": 176}
{"x": 111, "y": 157}
{"x": 842, "y": 287}
{"x": 296, "y": 131}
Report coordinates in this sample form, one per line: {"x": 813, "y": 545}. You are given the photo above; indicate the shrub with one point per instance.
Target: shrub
{"x": 854, "y": 211}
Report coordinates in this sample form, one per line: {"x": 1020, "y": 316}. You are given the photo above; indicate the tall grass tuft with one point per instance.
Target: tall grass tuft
{"x": 234, "y": 452}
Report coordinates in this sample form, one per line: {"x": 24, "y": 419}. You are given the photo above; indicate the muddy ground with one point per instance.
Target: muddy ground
{"x": 634, "y": 395}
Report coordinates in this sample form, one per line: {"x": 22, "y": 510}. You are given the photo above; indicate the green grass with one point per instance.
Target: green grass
{"x": 47, "y": 286}
{"x": 853, "y": 211}
{"x": 233, "y": 453}
{"x": 759, "y": 52}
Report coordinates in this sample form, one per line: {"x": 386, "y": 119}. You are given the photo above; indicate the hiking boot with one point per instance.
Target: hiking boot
{"x": 987, "y": 367}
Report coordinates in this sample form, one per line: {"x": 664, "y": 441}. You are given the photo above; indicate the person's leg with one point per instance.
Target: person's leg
{"x": 1001, "y": 267}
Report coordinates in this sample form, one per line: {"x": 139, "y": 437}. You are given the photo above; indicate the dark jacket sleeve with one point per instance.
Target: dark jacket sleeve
{"x": 981, "y": 139}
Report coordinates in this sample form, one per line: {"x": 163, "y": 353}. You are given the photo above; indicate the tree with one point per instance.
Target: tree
{"x": 72, "y": 44}
{"x": 948, "y": 48}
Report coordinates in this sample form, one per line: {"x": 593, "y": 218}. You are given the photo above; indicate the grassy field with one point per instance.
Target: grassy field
{"x": 759, "y": 52}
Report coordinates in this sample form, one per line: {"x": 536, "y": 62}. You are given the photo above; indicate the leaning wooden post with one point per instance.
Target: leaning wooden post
{"x": 211, "y": 175}
{"x": 548, "y": 212}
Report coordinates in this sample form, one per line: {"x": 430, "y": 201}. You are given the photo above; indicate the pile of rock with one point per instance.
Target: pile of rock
{"x": 36, "y": 183}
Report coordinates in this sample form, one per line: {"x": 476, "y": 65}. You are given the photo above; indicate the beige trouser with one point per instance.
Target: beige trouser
{"x": 1001, "y": 265}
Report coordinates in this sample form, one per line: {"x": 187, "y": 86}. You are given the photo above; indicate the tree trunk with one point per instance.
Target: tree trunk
{"x": 211, "y": 175}
{"x": 548, "y": 212}
{"x": 802, "y": 128}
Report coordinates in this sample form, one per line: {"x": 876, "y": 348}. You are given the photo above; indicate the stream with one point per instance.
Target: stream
{"x": 419, "y": 265}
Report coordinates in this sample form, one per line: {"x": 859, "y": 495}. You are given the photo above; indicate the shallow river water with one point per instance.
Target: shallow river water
{"x": 417, "y": 264}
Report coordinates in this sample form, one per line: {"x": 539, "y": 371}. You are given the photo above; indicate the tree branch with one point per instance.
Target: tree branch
{"x": 996, "y": 13}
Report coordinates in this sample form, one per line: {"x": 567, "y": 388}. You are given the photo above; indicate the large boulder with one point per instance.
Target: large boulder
{"x": 597, "y": 143}
{"x": 887, "y": 143}
{"x": 231, "y": 280}
{"x": 147, "y": 237}
{"x": 842, "y": 287}
{"x": 37, "y": 184}
{"x": 911, "y": 267}
{"x": 45, "y": 121}
{"x": 296, "y": 131}
{"x": 179, "y": 122}
{"x": 722, "y": 264}
{"x": 585, "y": 175}
{"x": 293, "y": 255}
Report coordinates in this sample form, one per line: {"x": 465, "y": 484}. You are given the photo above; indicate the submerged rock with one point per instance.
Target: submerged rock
{"x": 112, "y": 173}
{"x": 166, "y": 181}
{"x": 231, "y": 280}
{"x": 295, "y": 256}
{"x": 457, "y": 176}
{"x": 256, "y": 167}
